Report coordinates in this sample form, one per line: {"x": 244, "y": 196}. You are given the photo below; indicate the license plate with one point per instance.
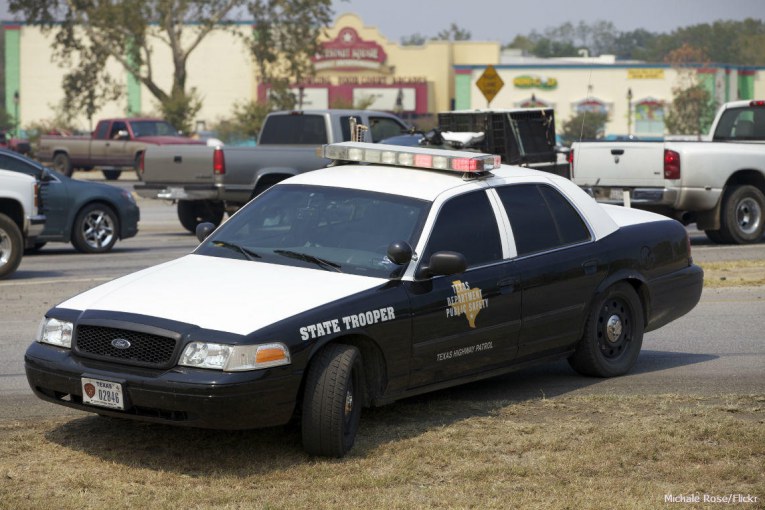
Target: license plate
{"x": 617, "y": 194}
{"x": 172, "y": 192}
{"x": 102, "y": 393}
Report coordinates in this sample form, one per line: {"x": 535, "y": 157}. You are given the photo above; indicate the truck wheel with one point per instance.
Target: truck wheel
{"x": 613, "y": 334}
{"x": 741, "y": 219}
{"x": 193, "y": 212}
{"x": 332, "y": 401}
{"x": 95, "y": 229}
{"x": 111, "y": 175}
{"x": 137, "y": 166}
{"x": 62, "y": 164}
{"x": 11, "y": 246}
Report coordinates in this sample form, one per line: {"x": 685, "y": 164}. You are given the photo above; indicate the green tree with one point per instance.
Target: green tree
{"x": 285, "y": 37}
{"x": 413, "y": 40}
{"x": 693, "y": 108}
{"x": 584, "y": 126}
{"x": 245, "y": 123}
{"x": 453, "y": 33}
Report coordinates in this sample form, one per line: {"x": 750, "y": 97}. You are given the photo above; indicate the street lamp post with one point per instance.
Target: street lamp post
{"x": 16, "y": 113}
{"x": 629, "y": 112}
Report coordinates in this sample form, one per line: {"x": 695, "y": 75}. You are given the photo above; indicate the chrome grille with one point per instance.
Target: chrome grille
{"x": 145, "y": 349}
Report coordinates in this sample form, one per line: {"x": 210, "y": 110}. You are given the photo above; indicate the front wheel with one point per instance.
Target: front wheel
{"x": 95, "y": 229}
{"x": 193, "y": 212}
{"x": 741, "y": 220}
{"x": 332, "y": 401}
{"x": 11, "y": 246}
{"x": 111, "y": 175}
{"x": 613, "y": 334}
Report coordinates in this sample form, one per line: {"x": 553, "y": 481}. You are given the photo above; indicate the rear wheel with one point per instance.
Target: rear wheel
{"x": 111, "y": 175}
{"x": 11, "y": 246}
{"x": 95, "y": 229}
{"x": 62, "y": 164}
{"x": 332, "y": 401}
{"x": 613, "y": 334}
{"x": 741, "y": 220}
{"x": 193, "y": 212}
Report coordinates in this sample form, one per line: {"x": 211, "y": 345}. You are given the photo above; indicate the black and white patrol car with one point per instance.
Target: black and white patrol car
{"x": 394, "y": 272}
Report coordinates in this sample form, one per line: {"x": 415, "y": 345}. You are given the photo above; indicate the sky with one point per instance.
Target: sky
{"x": 502, "y": 20}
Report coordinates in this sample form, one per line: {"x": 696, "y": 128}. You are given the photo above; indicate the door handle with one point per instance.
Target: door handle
{"x": 617, "y": 152}
{"x": 507, "y": 285}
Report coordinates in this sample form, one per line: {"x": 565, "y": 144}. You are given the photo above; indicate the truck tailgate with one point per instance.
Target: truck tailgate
{"x": 623, "y": 164}
{"x": 178, "y": 164}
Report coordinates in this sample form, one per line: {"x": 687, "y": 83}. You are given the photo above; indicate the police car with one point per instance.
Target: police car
{"x": 393, "y": 272}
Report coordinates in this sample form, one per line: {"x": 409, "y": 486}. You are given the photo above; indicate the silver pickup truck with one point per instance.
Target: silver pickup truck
{"x": 717, "y": 183}
{"x": 208, "y": 181}
{"x": 20, "y": 218}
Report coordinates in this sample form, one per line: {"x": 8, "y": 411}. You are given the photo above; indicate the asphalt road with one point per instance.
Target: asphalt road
{"x": 718, "y": 348}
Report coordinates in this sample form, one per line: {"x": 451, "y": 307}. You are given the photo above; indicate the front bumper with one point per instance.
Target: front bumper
{"x": 35, "y": 227}
{"x": 180, "y": 396}
{"x": 130, "y": 216}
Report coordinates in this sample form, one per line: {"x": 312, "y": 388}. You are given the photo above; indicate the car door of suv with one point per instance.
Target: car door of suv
{"x": 465, "y": 323}
{"x": 556, "y": 267}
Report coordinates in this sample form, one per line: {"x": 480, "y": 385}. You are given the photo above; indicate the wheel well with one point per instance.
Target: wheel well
{"x": 372, "y": 359}
{"x": 14, "y": 211}
{"x": 105, "y": 204}
{"x": 266, "y": 181}
{"x": 751, "y": 177}
{"x": 642, "y": 291}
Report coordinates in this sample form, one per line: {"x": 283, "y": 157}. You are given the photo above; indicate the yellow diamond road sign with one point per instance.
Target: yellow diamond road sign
{"x": 490, "y": 83}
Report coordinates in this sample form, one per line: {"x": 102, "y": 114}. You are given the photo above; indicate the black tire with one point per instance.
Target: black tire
{"x": 193, "y": 212}
{"x": 332, "y": 401}
{"x": 715, "y": 236}
{"x": 137, "y": 166}
{"x": 11, "y": 246}
{"x": 111, "y": 175}
{"x": 95, "y": 229}
{"x": 62, "y": 164}
{"x": 741, "y": 216}
{"x": 613, "y": 334}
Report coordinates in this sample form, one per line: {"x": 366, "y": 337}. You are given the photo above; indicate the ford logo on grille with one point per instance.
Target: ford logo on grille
{"x": 121, "y": 343}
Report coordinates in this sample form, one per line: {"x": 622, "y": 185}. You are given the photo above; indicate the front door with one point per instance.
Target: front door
{"x": 465, "y": 323}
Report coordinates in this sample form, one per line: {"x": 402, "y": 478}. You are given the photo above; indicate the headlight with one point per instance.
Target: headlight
{"x": 234, "y": 358}
{"x": 55, "y": 332}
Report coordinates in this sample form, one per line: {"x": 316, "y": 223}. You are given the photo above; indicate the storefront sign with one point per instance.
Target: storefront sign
{"x": 348, "y": 51}
{"x": 645, "y": 74}
{"x": 532, "y": 81}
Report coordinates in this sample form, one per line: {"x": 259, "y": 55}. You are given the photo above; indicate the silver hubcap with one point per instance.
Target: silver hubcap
{"x": 5, "y": 248}
{"x": 614, "y": 328}
{"x": 98, "y": 229}
{"x": 748, "y": 215}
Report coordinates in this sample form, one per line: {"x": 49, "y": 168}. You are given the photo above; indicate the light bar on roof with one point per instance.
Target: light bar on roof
{"x": 416, "y": 157}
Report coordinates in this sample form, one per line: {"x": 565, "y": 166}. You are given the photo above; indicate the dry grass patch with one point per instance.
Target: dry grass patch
{"x": 429, "y": 452}
{"x": 735, "y": 273}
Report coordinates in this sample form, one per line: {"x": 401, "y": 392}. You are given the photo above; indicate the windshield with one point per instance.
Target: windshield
{"x": 152, "y": 128}
{"x": 325, "y": 228}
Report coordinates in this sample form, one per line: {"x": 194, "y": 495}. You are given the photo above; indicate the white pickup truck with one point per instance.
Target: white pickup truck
{"x": 718, "y": 183}
{"x": 20, "y": 220}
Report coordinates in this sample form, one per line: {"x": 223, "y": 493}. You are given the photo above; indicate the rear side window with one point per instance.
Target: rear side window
{"x": 541, "y": 218}
{"x": 294, "y": 130}
{"x": 101, "y": 130}
{"x": 741, "y": 124}
{"x": 467, "y": 224}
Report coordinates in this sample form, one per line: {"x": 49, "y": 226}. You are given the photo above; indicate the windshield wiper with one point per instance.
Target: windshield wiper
{"x": 326, "y": 264}
{"x": 251, "y": 255}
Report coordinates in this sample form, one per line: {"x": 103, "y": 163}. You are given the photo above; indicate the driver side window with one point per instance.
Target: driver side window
{"x": 467, "y": 224}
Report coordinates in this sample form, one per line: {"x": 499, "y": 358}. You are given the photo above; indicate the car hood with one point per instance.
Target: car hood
{"x": 237, "y": 296}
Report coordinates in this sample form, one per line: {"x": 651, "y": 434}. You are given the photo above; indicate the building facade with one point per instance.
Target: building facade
{"x": 358, "y": 65}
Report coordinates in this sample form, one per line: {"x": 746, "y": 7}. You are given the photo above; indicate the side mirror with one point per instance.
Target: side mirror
{"x": 122, "y": 134}
{"x": 204, "y": 230}
{"x": 399, "y": 252}
{"x": 443, "y": 263}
